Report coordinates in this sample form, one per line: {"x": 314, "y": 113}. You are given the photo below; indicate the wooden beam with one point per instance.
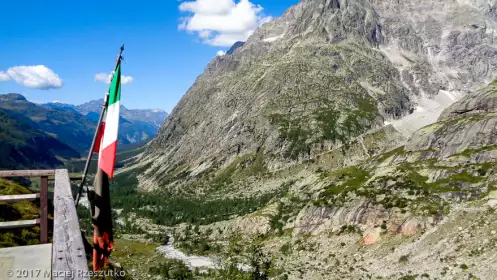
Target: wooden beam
{"x": 26, "y": 173}
{"x": 68, "y": 252}
{"x": 44, "y": 210}
{"x": 71, "y": 177}
{"x": 19, "y": 224}
{"x": 19, "y": 197}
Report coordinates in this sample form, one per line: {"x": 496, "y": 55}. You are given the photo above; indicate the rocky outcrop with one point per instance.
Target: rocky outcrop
{"x": 483, "y": 101}
{"x": 315, "y": 220}
{"x": 468, "y": 126}
{"x": 371, "y": 236}
{"x": 492, "y": 199}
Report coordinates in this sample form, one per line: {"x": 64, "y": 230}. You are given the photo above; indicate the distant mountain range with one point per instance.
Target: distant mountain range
{"x": 42, "y": 136}
{"x": 136, "y": 125}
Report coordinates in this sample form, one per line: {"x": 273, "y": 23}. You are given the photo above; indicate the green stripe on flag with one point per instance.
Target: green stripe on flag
{"x": 115, "y": 86}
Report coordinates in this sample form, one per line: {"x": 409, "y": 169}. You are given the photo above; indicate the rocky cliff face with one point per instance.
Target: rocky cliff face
{"x": 371, "y": 122}
{"x": 327, "y": 72}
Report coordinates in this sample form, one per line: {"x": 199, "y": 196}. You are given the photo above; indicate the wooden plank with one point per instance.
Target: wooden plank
{"x": 71, "y": 177}
{"x": 44, "y": 210}
{"x": 26, "y": 173}
{"x": 68, "y": 253}
{"x": 19, "y": 197}
{"x": 19, "y": 224}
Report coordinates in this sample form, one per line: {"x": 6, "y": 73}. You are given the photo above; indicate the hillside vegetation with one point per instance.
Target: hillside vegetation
{"x": 55, "y": 134}
{"x": 22, "y": 210}
{"x": 22, "y": 146}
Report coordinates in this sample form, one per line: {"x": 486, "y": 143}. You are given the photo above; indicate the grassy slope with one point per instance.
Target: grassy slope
{"x": 136, "y": 256}
{"x": 67, "y": 126}
{"x": 22, "y": 210}
{"x": 24, "y": 146}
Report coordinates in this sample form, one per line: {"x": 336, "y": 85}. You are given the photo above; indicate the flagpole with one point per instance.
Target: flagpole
{"x": 90, "y": 153}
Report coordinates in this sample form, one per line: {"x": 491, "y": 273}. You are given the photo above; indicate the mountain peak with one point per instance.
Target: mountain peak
{"x": 12, "y": 97}
{"x": 235, "y": 46}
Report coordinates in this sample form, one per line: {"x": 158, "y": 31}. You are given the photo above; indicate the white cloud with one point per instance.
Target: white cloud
{"x": 220, "y": 53}
{"x": 4, "y": 76}
{"x": 102, "y": 77}
{"x": 38, "y": 76}
{"x": 222, "y": 22}
{"x": 106, "y": 78}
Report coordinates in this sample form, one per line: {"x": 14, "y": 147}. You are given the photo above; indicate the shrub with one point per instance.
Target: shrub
{"x": 172, "y": 269}
{"x": 404, "y": 259}
{"x": 285, "y": 248}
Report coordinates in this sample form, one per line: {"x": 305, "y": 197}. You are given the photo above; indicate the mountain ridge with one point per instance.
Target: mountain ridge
{"x": 65, "y": 125}
{"x": 138, "y": 124}
{"x": 24, "y": 146}
{"x": 354, "y": 46}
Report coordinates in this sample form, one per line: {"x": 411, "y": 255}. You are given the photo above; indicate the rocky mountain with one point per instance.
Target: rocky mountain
{"x": 136, "y": 124}
{"x": 153, "y": 116}
{"x": 94, "y": 106}
{"x": 60, "y": 106}
{"x": 327, "y": 72}
{"x": 356, "y": 136}
{"x": 234, "y": 47}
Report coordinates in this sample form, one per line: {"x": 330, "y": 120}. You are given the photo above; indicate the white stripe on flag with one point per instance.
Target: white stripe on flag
{"x": 111, "y": 125}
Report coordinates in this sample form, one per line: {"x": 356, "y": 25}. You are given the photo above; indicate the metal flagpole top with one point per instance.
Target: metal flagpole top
{"x": 119, "y": 56}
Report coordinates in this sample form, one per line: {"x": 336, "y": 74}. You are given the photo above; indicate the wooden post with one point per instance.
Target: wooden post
{"x": 68, "y": 251}
{"x": 44, "y": 210}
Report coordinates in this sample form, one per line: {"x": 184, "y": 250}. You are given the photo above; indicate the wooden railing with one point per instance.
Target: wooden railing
{"x": 68, "y": 252}
{"x": 43, "y": 196}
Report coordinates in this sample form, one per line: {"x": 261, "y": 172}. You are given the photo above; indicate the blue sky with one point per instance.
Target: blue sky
{"x": 78, "y": 39}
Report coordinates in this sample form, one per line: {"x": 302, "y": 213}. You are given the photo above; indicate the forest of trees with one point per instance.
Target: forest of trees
{"x": 171, "y": 209}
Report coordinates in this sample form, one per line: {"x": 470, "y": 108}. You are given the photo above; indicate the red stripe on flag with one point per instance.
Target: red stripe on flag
{"x": 103, "y": 247}
{"x": 100, "y": 134}
{"x": 108, "y": 159}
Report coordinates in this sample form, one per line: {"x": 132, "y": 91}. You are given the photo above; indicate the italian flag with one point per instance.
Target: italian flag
{"x": 108, "y": 145}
